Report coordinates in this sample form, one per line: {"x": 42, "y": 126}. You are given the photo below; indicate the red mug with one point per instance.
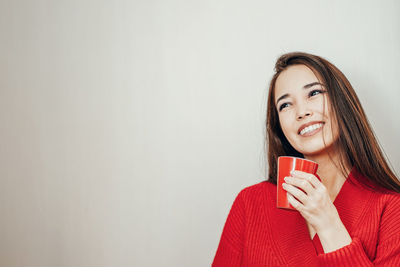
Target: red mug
{"x": 285, "y": 166}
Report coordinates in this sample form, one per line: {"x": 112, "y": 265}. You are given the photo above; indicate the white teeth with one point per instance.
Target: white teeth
{"x": 311, "y": 128}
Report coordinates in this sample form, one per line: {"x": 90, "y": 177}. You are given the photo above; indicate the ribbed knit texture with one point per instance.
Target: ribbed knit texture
{"x": 256, "y": 233}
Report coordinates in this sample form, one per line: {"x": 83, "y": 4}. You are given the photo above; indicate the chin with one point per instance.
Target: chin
{"x": 314, "y": 149}
{"x": 312, "y": 153}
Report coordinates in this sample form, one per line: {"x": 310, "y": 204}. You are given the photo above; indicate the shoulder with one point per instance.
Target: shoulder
{"x": 252, "y": 201}
{"x": 260, "y": 187}
{"x": 391, "y": 201}
{"x": 387, "y": 203}
{"x": 380, "y": 196}
{"x": 389, "y": 216}
{"x": 387, "y": 207}
{"x": 257, "y": 193}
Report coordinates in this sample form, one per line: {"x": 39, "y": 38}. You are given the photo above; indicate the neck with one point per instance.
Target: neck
{"x": 329, "y": 171}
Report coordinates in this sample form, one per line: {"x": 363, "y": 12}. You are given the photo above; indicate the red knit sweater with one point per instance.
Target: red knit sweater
{"x": 256, "y": 233}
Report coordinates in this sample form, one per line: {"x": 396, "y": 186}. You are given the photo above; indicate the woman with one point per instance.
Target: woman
{"x": 349, "y": 218}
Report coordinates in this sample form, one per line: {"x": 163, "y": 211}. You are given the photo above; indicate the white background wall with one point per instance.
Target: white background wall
{"x": 127, "y": 128}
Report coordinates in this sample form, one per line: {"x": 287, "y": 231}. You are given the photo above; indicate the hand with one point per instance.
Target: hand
{"x": 317, "y": 208}
{"x": 314, "y": 204}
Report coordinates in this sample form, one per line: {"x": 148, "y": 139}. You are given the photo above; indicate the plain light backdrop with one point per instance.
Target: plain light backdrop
{"x": 129, "y": 127}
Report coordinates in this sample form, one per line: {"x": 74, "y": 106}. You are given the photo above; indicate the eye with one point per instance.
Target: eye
{"x": 284, "y": 105}
{"x": 316, "y": 92}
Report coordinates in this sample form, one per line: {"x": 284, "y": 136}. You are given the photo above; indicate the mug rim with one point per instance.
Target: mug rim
{"x": 297, "y": 158}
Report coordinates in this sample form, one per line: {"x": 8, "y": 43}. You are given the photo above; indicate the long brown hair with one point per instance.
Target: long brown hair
{"x": 357, "y": 144}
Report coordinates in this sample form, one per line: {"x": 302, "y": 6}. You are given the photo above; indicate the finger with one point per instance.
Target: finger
{"x": 294, "y": 202}
{"x": 301, "y": 183}
{"x": 311, "y": 178}
{"x": 300, "y": 195}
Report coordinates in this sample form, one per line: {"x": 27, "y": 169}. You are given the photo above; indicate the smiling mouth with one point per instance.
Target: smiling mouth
{"x": 311, "y": 130}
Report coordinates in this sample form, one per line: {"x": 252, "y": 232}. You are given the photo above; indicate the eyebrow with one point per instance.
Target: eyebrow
{"x": 304, "y": 87}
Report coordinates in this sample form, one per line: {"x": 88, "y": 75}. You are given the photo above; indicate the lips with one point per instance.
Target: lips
{"x": 308, "y": 124}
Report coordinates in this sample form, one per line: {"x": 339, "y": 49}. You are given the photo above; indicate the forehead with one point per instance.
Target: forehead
{"x": 293, "y": 79}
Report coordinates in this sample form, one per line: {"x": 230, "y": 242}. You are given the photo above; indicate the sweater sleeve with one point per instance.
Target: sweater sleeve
{"x": 388, "y": 247}
{"x": 229, "y": 252}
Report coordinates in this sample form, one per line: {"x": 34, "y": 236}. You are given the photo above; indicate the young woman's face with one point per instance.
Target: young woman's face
{"x": 303, "y": 109}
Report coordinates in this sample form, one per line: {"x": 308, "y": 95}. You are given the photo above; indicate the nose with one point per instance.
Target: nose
{"x": 302, "y": 113}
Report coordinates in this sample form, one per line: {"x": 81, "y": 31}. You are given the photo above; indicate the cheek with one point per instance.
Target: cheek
{"x": 333, "y": 125}
{"x": 286, "y": 125}
{"x": 331, "y": 132}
